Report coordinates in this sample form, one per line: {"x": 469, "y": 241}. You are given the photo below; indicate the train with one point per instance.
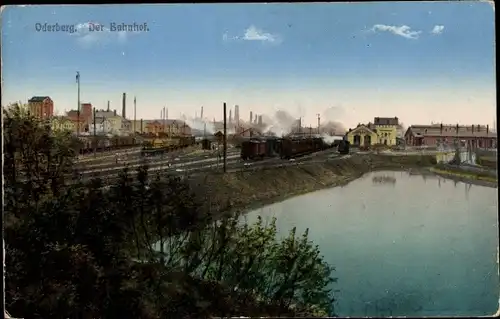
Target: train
{"x": 287, "y": 148}
{"x": 87, "y": 144}
{"x": 99, "y": 144}
{"x": 162, "y": 146}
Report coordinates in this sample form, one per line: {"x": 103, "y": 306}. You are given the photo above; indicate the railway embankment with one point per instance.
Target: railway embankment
{"x": 244, "y": 190}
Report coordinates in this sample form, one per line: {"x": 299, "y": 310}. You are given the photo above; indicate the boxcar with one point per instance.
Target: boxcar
{"x": 253, "y": 149}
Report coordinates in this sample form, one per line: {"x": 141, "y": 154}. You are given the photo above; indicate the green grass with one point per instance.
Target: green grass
{"x": 465, "y": 175}
{"x": 487, "y": 161}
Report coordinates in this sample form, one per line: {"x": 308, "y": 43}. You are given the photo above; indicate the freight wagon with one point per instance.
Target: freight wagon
{"x": 104, "y": 144}
{"x": 260, "y": 148}
{"x": 286, "y": 148}
{"x": 297, "y": 147}
{"x": 162, "y": 146}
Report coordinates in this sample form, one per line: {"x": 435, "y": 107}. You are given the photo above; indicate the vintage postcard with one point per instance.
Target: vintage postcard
{"x": 265, "y": 160}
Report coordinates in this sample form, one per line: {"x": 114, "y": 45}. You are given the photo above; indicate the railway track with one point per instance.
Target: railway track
{"x": 181, "y": 161}
{"x": 234, "y": 163}
{"x": 233, "y": 167}
{"x": 137, "y": 159}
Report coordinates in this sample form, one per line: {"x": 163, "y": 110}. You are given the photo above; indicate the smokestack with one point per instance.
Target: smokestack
{"x": 230, "y": 115}
{"x": 251, "y": 116}
{"x": 124, "y": 101}
{"x": 237, "y": 115}
{"x": 201, "y": 115}
{"x": 225, "y": 139}
{"x": 108, "y": 106}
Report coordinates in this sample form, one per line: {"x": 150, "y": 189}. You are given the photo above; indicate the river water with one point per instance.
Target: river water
{"x": 403, "y": 245}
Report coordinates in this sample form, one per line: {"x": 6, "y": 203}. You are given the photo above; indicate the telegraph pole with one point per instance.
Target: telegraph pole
{"x": 135, "y": 114}
{"x": 225, "y": 139}
{"x": 95, "y": 136}
{"x": 78, "y": 105}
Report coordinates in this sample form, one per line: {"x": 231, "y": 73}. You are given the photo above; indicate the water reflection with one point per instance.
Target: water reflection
{"x": 384, "y": 179}
{"x": 423, "y": 248}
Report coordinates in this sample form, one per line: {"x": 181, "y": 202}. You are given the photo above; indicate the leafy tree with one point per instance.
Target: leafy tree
{"x": 144, "y": 247}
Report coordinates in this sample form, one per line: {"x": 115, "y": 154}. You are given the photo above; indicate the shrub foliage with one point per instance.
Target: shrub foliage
{"x": 141, "y": 248}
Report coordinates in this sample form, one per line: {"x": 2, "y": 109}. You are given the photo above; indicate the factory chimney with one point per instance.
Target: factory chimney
{"x": 230, "y": 116}
{"x": 201, "y": 114}
{"x": 237, "y": 115}
{"x": 251, "y": 117}
{"x": 124, "y": 105}
{"x": 108, "y": 106}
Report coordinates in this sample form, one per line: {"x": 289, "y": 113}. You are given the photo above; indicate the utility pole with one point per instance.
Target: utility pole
{"x": 225, "y": 139}
{"x": 135, "y": 113}
{"x": 95, "y": 136}
{"x": 164, "y": 120}
{"x": 78, "y": 106}
{"x": 318, "y": 122}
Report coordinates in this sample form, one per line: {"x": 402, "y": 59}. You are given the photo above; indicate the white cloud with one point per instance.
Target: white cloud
{"x": 254, "y": 34}
{"x": 438, "y": 29}
{"x": 88, "y": 34}
{"x": 403, "y": 31}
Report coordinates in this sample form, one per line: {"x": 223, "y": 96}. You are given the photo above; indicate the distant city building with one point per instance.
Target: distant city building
{"x": 84, "y": 120}
{"x": 62, "y": 123}
{"x": 41, "y": 107}
{"x": 169, "y": 127}
{"x": 433, "y": 135}
{"x": 101, "y": 126}
{"x": 387, "y": 130}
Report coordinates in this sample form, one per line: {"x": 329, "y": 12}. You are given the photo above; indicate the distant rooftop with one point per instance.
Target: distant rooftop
{"x": 38, "y": 99}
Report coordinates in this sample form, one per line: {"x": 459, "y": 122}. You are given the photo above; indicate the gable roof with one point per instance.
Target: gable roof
{"x": 363, "y": 127}
{"x": 450, "y": 130}
{"x": 38, "y": 99}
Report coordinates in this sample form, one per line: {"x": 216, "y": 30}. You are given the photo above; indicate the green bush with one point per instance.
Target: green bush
{"x": 142, "y": 248}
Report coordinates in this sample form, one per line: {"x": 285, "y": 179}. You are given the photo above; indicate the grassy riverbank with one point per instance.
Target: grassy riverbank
{"x": 487, "y": 161}
{"x": 467, "y": 177}
{"x": 253, "y": 189}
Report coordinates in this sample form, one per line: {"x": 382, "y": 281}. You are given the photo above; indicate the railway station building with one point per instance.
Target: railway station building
{"x": 362, "y": 135}
{"x": 434, "y": 135}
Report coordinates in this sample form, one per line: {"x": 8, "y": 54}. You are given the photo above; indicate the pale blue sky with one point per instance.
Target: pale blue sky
{"x": 364, "y": 59}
